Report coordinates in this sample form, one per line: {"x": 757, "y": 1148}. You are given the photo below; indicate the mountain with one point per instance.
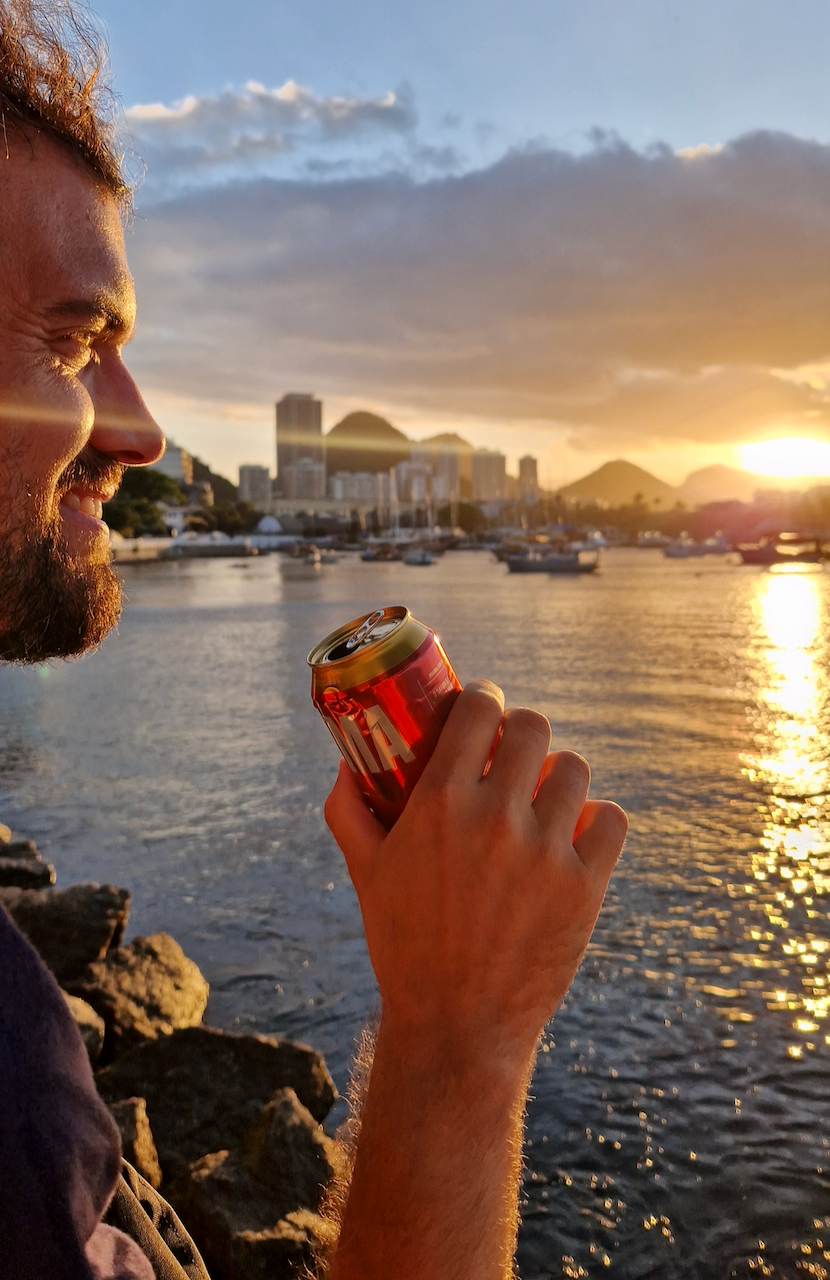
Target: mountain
{"x": 364, "y": 442}
{"x": 720, "y": 484}
{"x": 617, "y": 484}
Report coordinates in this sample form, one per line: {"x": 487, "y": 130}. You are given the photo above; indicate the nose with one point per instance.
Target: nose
{"x": 124, "y": 428}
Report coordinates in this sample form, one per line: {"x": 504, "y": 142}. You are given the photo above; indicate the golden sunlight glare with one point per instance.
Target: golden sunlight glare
{"x": 787, "y": 457}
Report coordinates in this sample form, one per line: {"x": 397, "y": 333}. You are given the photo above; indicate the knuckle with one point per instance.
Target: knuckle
{"x": 575, "y": 765}
{"x": 483, "y": 694}
{"x": 529, "y": 722}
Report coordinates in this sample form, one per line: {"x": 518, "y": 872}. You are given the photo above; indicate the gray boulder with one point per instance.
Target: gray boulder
{"x": 137, "y": 1145}
{"x": 205, "y": 1089}
{"x": 254, "y": 1211}
{"x": 70, "y": 928}
{"x": 90, "y": 1025}
{"x": 26, "y": 873}
{"x": 142, "y": 991}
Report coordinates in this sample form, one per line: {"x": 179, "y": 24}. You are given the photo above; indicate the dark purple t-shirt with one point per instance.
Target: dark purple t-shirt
{"x": 59, "y": 1148}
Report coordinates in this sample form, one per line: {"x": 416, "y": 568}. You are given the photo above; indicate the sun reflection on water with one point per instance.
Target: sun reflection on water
{"x": 790, "y": 765}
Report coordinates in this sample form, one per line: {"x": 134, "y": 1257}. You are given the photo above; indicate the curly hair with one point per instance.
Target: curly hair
{"x": 54, "y": 80}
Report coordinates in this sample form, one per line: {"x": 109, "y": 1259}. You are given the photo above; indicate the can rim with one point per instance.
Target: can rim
{"x": 368, "y": 660}
{"x": 317, "y": 656}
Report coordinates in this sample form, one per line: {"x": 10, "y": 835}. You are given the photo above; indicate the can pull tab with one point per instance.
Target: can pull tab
{"x": 364, "y": 630}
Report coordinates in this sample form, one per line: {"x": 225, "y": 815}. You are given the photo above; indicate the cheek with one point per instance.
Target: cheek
{"x": 35, "y": 452}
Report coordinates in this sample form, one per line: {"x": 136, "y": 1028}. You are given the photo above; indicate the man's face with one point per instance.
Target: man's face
{"x": 71, "y": 417}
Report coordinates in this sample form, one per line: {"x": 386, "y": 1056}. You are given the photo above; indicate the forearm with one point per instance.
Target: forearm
{"x": 434, "y": 1187}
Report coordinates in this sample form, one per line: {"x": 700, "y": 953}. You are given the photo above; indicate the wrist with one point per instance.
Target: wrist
{"x": 463, "y": 1057}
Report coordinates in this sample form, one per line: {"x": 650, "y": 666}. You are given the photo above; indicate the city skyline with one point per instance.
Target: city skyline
{"x": 566, "y": 231}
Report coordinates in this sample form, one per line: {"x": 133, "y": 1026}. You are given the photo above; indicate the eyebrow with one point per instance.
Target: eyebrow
{"x": 91, "y": 311}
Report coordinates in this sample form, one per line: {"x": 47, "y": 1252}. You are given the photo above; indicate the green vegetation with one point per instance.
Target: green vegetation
{"x": 468, "y": 517}
{"x": 134, "y": 510}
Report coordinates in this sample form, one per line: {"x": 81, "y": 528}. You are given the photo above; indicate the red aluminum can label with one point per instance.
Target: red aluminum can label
{"x": 388, "y": 726}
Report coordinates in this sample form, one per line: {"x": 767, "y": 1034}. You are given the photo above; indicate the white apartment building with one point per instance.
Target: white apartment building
{"x": 364, "y": 488}
{"x": 255, "y": 486}
{"x": 304, "y": 479}
{"x": 412, "y": 480}
{"x": 175, "y": 463}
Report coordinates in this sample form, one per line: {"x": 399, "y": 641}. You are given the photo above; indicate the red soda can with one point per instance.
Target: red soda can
{"x": 384, "y": 687}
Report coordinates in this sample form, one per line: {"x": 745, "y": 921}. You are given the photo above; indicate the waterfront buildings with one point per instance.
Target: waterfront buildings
{"x": 528, "y": 479}
{"x": 489, "y": 476}
{"x": 255, "y": 486}
{"x": 305, "y": 479}
{"x": 300, "y": 441}
{"x": 176, "y": 463}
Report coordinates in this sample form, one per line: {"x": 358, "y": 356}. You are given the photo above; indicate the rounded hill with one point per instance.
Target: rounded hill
{"x": 365, "y": 442}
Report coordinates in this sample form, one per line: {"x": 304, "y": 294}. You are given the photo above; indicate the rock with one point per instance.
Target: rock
{"x": 137, "y": 1145}
{"x": 142, "y": 991}
{"x": 231, "y": 1217}
{"x": 287, "y": 1150}
{"x": 5, "y": 834}
{"x": 19, "y": 849}
{"x": 26, "y": 873}
{"x": 253, "y": 1211}
{"x": 90, "y": 1025}
{"x": 206, "y": 1088}
{"x": 71, "y": 928}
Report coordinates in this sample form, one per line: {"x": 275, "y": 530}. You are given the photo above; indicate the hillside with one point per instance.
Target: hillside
{"x": 720, "y": 484}
{"x": 364, "y": 442}
{"x": 618, "y": 484}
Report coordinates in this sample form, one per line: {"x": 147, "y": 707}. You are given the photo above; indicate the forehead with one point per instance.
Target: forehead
{"x": 60, "y": 232}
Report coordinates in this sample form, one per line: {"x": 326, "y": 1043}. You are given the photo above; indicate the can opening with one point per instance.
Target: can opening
{"x": 376, "y": 627}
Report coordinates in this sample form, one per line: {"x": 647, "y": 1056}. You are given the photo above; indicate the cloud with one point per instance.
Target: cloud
{"x": 620, "y": 297}
{"x": 204, "y": 139}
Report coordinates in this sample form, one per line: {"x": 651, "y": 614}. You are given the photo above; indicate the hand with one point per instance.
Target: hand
{"x": 479, "y": 903}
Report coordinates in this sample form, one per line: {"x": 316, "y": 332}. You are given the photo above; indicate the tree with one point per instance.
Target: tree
{"x": 468, "y": 516}
{"x": 134, "y": 510}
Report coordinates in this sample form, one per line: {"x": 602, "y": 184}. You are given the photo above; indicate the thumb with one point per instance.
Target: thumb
{"x": 353, "y": 825}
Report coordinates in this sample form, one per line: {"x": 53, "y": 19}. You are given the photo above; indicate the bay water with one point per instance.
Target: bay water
{"x": 679, "y": 1124}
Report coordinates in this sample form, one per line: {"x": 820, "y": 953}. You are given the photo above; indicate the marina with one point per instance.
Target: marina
{"x": 680, "y": 1111}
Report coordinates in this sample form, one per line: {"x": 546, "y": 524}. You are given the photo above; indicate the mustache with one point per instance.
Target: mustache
{"x": 92, "y": 470}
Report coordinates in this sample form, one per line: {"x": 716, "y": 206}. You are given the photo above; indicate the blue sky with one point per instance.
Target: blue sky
{"x": 300, "y": 128}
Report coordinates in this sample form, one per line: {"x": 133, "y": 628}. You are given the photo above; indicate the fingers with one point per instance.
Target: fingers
{"x": 467, "y": 738}
{"x": 520, "y": 755}
{"x": 354, "y": 827}
{"x": 561, "y": 794}
{"x": 599, "y": 836}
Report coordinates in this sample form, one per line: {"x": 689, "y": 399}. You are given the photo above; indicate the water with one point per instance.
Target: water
{"x": 681, "y": 1104}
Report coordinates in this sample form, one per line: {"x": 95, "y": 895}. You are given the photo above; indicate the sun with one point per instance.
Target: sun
{"x": 787, "y": 457}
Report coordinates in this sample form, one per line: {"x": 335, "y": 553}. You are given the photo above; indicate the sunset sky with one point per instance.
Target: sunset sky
{"x": 582, "y": 229}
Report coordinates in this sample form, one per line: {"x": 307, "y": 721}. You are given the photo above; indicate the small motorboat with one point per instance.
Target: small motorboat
{"x": 418, "y": 556}
{"x": 545, "y": 560}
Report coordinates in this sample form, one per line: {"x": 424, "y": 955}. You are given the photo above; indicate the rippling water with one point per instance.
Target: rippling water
{"x": 681, "y": 1113}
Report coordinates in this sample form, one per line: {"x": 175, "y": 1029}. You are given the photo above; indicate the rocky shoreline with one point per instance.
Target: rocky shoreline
{"x": 228, "y": 1126}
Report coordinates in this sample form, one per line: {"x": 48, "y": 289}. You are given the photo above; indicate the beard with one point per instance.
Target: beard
{"x": 54, "y": 604}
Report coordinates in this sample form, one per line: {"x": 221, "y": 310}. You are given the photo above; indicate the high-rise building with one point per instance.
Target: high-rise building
{"x": 489, "y": 475}
{"x": 299, "y": 435}
{"x": 255, "y": 486}
{"x": 528, "y": 478}
{"x": 175, "y": 463}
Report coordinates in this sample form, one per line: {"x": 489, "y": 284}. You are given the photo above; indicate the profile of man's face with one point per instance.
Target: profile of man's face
{"x": 71, "y": 417}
